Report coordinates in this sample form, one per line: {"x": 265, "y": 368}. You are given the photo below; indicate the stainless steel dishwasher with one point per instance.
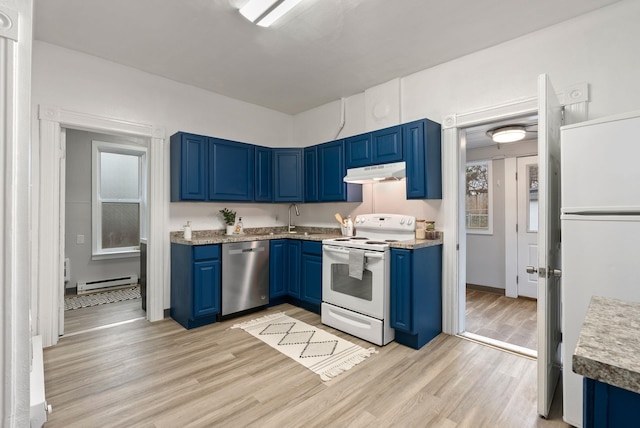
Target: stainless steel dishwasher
{"x": 245, "y": 276}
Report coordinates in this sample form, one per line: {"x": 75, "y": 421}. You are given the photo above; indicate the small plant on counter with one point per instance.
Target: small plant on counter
{"x": 229, "y": 216}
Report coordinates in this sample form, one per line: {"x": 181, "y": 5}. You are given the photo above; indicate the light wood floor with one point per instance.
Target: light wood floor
{"x": 96, "y": 316}
{"x": 160, "y": 375}
{"x": 502, "y": 318}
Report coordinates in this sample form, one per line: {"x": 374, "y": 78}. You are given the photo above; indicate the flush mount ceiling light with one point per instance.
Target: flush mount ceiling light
{"x": 507, "y": 134}
{"x": 266, "y": 12}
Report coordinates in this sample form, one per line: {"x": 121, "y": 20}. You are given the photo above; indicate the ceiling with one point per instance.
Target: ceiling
{"x": 476, "y": 136}
{"x": 319, "y": 52}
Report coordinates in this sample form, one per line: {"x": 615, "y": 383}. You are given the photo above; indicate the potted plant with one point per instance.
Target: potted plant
{"x": 229, "y": 219}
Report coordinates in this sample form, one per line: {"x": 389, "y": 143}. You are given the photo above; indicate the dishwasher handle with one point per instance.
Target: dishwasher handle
{"x": 246, "y": 250}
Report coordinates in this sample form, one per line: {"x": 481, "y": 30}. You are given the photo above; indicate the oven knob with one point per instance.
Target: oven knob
{"x": 409, "y": 222}
{"x": 402, "y": 220}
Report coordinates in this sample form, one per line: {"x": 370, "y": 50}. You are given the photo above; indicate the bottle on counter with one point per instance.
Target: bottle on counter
{"x": 349, "y": 226}
{"x": 187, "y": 231}
{"x": 239, "y": 226}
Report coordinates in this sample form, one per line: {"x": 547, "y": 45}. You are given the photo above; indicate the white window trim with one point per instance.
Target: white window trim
{"x": 489, "y": 229}
{"x": 98, "y": 253}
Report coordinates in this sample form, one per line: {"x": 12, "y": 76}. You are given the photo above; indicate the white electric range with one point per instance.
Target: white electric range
{"x": 356, "y": 276}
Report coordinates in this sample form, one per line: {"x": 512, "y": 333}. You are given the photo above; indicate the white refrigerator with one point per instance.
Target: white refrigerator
{"x": 600, "y": 220}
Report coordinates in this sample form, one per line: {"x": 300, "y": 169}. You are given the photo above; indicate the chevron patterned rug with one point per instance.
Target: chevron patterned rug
{"x": 319, "y": 351}
{"x": 95, "y": 299}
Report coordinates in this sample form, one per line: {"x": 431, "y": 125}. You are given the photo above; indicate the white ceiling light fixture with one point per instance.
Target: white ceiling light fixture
{"x": 507, "y": 134}
{"x": 266, "y": 12}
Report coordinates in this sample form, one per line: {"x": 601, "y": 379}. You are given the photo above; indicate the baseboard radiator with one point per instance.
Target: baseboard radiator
{"x": 106, "y": 284}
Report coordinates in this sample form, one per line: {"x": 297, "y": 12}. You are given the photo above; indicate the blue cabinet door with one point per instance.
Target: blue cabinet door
{"x": 358, "y": 151}
{"x": 278, "y": 268}
{"x": 386, "y": 145}
{"x": 264, "y": 175}
{"x": 311, "y": 288}
{"x": 189, "y": 167}
{"x": 311, "y": 174}
{"x": 231, "y": 170}
{"x": 287, "y": 170}
{"x": 401, "y": 290}
{"x": 422, "y": 154}
{"x": 206, "y": 291}
{"x": 607, "y": 405}
{"x": 195, "y": 284}
{"x": 294, "y": 251}
{"x": 331, "y": 171}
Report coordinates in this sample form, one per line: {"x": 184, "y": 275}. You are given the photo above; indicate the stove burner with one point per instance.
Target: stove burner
{"x": 342, "y": 239}
{"x": 375, "y": 243}
{"x": 390, "y": 240}
{"x": 357, "y": 238}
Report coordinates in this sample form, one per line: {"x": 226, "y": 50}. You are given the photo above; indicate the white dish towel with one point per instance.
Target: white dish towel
{"x": 356, "y": 263}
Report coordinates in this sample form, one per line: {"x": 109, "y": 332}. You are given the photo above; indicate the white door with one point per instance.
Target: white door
{"x": 527, "y": 168}
{"x": 549, "y": 337}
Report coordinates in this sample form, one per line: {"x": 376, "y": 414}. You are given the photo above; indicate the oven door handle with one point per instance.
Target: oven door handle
{"x": 341, "y": 251}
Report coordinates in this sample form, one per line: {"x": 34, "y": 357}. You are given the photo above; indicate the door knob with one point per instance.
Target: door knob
{"x": 556, "y": 272}
{"x": 531, "y": 269}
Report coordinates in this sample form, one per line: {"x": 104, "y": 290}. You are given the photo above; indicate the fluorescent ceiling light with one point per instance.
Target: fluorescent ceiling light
{"x": 507, "y": 134}
{"x": 266, "y": 12}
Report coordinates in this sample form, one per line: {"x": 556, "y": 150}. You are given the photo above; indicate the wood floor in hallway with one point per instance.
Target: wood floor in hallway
{"x": 82, "y": 319}
{"x": 502, "y": 318}
{"x": 160, "y": 375}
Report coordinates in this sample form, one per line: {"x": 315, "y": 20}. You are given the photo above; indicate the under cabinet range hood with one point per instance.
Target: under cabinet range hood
{"x": 376, "y": 173}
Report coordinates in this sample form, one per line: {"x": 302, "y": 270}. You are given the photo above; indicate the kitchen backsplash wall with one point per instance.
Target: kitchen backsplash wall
{"x": 376, "y": 198}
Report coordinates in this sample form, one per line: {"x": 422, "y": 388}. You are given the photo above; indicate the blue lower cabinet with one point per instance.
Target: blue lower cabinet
{"x": 294, "y": 251}
{"x": 416, "y": 295}
{"x": 195, "y": 284}
{"x": 606, "y": 406}
{"x": 311, "y": 275}
{"x": 295, "y": 274}
{"x": 278, "y": 269}
{"x": 284, "y": 269}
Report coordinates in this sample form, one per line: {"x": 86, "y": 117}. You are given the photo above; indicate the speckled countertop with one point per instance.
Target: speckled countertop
{"x": 608, "y": 348}
{"x": 206, "y": 237}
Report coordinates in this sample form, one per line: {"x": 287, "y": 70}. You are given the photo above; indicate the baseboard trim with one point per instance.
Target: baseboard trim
{"x": 486, "y": 289}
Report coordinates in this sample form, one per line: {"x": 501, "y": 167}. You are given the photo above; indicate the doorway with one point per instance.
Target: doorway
{"x": 496, "y": 204}
{"x": 104, "y": 199}
{"x": 48, "y": 249}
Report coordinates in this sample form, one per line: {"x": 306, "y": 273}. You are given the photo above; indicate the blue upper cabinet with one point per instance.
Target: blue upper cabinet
{"x": 374, "y": 148}
{"x": 331, "y": 171}
{"x": 422, "y": 154}
{"x": 386, "y": 145}
{"x": 231, "y": 170}
{"x": 188, "y": 167}
{"x": 311, "y": 174}
{"x": 358, "y": 151}
{"x": 287, "y": 173}
{"x": 264, "y": 175}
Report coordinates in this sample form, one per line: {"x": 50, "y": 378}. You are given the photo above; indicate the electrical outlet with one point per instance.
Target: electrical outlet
{"x": 80, "y": 239}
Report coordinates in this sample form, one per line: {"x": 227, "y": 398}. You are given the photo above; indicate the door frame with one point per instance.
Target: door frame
{"x": 575, "y": 100}
{"x": 48, "y": 202}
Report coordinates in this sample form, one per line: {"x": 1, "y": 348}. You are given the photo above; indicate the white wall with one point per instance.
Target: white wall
{"x": 87, "y": 84}
{"x": 78, "y": 213}
{"x": 599, "y": 48}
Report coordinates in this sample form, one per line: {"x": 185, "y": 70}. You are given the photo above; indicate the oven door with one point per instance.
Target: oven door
{"x": 365, "y": 296}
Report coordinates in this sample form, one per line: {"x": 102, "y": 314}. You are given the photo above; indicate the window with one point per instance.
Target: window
{"x": 118, "y": 199}
{"x": 479, "y": 198}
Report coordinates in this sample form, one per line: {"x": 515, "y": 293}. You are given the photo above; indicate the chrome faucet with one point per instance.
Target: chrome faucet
{"x": 297, "y": 213}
